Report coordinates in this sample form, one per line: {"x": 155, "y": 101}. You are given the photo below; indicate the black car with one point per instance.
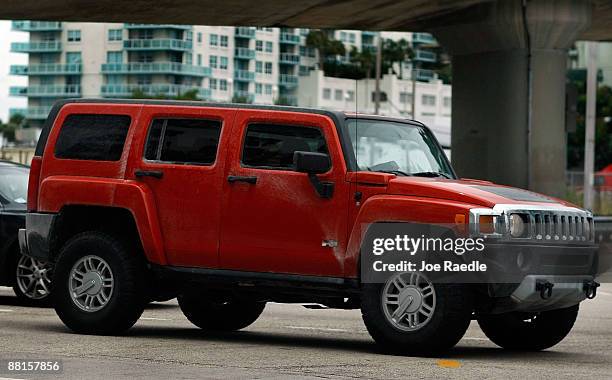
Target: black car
{"x": 29, "y": 278}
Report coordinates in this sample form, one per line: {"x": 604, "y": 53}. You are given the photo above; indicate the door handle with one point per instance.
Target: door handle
{"x": 246, "y": 179}
{"x": 149, "y": 173}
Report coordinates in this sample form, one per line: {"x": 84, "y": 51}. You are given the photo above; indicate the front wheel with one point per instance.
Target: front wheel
{"x": 220, "y": 313}
{"x": 32, "y": 282}
{"x": 98, "y": 286}
{"x": 411, "y": 315}
{"x": 529, "y": 331}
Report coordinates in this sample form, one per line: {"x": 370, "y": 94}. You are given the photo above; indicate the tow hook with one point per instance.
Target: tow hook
{"x": 545, "y": 288}
{"x": 590, "y": 288}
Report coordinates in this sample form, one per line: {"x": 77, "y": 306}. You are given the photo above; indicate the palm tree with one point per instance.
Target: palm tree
{"x": 396, "y": 52}
{"x": 326, "y": 47}
{"x": 365, "y": 59}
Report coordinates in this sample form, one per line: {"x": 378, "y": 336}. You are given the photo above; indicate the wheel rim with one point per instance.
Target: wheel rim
{"x": 409, "y": 301}
{"x": 91, "y": 283}
{"x": 33, "y": 278}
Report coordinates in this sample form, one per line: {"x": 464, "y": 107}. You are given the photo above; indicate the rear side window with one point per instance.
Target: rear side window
{"x": 92, "y": 137}
{"x": 272, "y": 145}
{"x": 186, "y": 141}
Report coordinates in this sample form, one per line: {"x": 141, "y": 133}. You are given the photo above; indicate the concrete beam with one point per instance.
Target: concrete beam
{"x": 401, "y": 15}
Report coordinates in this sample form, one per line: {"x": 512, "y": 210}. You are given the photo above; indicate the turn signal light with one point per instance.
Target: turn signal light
{"x": 486, "y": 225}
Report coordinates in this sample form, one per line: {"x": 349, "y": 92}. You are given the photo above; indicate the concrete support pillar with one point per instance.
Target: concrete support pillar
{"x": 509, "y": 63}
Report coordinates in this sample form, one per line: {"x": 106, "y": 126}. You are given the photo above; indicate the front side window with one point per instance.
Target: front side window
{"x": 14, "y": 184}
{"x": 397, "y": 148}
{"x": 92, "y": 137}
{"x": 184, "y": 141}
{"x": 272, "y": 146}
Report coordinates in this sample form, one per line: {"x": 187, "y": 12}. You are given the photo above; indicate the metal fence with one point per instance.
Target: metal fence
{"x": 602, "y": 200}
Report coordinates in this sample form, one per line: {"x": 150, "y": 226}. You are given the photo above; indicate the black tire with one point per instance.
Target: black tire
{"x": 529, "y": 332}
{"x": 220, "y": 313}
{"x": 38, "y": 297}
{"x": 450, "y": 320}
{"x": 125, "y": 304}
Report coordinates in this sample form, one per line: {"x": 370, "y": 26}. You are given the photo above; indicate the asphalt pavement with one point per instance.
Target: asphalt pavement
{"x": 288, "y": 341}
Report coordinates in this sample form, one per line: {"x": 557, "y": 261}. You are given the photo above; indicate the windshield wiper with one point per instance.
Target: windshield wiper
{"x": 431, "y": 174}
{"x": 396, "y": 172}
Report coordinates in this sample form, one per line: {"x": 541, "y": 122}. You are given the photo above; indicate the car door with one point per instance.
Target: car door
{"x": 182, "y": 162}
{"x": 273, "y": 220}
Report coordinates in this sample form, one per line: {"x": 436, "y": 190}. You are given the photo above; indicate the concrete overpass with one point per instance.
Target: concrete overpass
{"x": 509, "y": 61}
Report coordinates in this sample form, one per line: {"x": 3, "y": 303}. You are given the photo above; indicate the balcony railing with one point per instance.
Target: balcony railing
{"x": 423, "y": 38}
{"x": 424, "y": 56}
{"x": 248, "y": 96}
{"x": 289, "y": 58}
{"x": 244, "y": 75}
{"x": 167, "y": 90}
{"x": 244, "y": 53}
{"x": 36, "y": 26}
{"x": 288, "y": 38}
{"x": 46, "y": 69}
{"x": 155, "y": 68}
{"x": 40, "y": 112}
{"x": 157, "y": 26}
{"x": 36, "y": 47}
{"x": 424, "y": 74}
{"x": 46, "y": 91}
{"x": 245, "y": 32}
{"x": 157, "y": 44}
{"x": 288, "y": 80}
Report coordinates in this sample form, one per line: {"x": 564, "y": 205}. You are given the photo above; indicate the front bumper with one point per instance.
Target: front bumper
{"x": 34, "y": 240}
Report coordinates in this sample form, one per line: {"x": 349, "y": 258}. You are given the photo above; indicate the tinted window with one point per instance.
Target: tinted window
{"x": 193, "y": 141}
{"x": 92, "y": 137}
{"x": 272, "y": 146}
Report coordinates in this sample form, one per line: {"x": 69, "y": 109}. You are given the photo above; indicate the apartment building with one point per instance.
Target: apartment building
{"x": 218, "y": 63}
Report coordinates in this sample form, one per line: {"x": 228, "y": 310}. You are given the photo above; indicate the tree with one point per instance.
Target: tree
{"x": 365, "y": 59}
{"x": 603, "y": 129}
{"x": 187, "y": 95}
{"x": 15, "y": 121}
{"x": 326, "y": 47}
{"x": 396, "y": 52}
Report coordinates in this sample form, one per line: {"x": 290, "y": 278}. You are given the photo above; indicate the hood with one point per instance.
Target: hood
{"x": 482, "y": 193}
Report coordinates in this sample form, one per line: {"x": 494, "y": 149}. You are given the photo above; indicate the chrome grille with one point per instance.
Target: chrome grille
{"x": 555, "y": 225}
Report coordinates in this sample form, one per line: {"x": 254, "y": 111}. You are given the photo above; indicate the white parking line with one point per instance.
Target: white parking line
{"x": 6, "y": 311}
{"x": 316, "y": 328}
{"x": 155, "y": 319}
{"x": 9, "y": 378}
{"x": 604, "y": 293}
{"x": 473, "y": 338}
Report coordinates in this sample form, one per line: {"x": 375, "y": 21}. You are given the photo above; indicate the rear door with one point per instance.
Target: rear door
{"x": 182, "y": 161}
{"x": 273, "y": 220}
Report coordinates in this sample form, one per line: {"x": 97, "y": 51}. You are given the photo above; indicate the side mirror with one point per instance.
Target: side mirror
{"x": 311, "y": 162}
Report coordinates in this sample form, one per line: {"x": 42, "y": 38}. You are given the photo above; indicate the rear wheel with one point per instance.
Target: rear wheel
{"x": 411, "y": 315}
{"x": 529, "y": 331}
{"x": 222, "y": 313}
{"x": 98, "y": 286}
{"x": 32, "y": 283}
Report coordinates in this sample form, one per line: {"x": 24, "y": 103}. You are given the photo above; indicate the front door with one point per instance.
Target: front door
{"x": 182, "y": 162}
{"x": 273, "y": 220}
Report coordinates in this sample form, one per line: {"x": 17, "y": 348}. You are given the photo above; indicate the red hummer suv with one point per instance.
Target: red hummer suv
{"x": 232, "y": 206}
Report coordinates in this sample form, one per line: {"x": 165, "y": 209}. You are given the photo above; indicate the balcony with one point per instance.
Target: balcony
{"x": 36, "y": 26}
{"x": 245, "y": 96}
{"x": 424, "y": 75}
{"x": 157, "y": 26}
{"x": 288, "y": 80}
{"x": 52, "y": 91}
{"x": 40, "y": 112}
{"x": 244, "y": 53}
{"x": 164, "y": 90}
{"x": 368, "y": 33}
{"x": 157, "y": 44}
{"x": 36, "y": 47}
{"x": 289, "y": 59}
{"x": 245, "y": 32}
{"x": 46, "y": 69}
{"x": 424, "y": 56}
{"x": 288, "y": 38}
{"x": 423, "y": 38}
{"x": 244, "y": 75}
{"x": 155, "y": 68}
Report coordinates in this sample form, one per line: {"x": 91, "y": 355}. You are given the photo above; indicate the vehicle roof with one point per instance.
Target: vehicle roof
{"x": 11, "y": 163}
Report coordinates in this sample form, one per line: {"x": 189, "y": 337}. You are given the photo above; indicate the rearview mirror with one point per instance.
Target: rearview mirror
{"x": 311, "y": 162}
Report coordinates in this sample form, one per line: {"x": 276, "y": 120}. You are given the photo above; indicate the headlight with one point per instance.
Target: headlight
{"x": 517, "y": 225}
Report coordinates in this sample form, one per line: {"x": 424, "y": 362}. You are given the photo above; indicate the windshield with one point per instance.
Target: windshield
{"x": 398, "y": 148}
{"x": 14, "y": 184}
